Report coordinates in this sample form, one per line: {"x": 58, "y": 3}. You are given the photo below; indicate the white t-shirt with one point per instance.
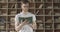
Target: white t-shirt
{"x": 25, "y": 28}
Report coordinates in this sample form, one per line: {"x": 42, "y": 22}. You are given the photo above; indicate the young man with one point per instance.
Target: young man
{"x": 25, "y": 26}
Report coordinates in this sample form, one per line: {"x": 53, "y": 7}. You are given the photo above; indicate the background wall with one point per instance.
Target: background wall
{"x": 47, "y": 13}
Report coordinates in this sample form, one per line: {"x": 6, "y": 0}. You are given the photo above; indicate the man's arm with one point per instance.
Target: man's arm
{"x": 34, "y": 25}
{"x": 18, "y": 26}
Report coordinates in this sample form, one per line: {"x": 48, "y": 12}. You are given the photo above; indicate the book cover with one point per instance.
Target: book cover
{"x": 21, "y": 19}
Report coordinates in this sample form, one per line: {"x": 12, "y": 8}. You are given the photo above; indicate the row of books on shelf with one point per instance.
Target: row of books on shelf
{"x": 57, "y": 20}
{"x": 3, "y": 12}
{"x": 9, "y": 6}
{"x": 2, "y": 31}
{"x": 3, "y": 1}
{"x": 41, "y": 26}
{"x": 1, "y": 6}
{"x": 12, "y": 31}
{"x": 57, "y": 1}
{"x": 10, "y": 13}
{"x": 49, "y": 21}
{"x": 12, "y": 0}
{"x": 13, "y": 13}
{"x": 58, "y": 26}
{"x": 12, "y": 19}
{"x": 9, "y": 31}
{"x": 48, "y": 27}
{"x": 57, "y": 14}
{"x": 2, "y": 27}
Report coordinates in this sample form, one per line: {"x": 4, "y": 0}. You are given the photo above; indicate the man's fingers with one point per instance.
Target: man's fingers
{"x": 26, "y": 21}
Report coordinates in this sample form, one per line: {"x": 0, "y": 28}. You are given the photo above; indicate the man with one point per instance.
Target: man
{"x": 25, "y": 26}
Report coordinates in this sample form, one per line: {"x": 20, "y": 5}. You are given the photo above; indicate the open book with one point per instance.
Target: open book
{"x": 21, "y": 19}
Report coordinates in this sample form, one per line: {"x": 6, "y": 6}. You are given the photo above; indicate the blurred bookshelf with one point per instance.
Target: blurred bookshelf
{"x": 47, "y": 13}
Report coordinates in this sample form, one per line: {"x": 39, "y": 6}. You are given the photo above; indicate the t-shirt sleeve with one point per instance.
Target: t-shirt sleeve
{"x": 16, "y": 18}
{"x": 34, "y": 18}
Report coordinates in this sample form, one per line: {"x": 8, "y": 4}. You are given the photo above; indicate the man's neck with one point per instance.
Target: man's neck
{"x": 24, "y": 12}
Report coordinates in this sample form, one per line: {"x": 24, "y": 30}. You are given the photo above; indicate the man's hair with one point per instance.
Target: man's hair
{"x": 24, "y": 1}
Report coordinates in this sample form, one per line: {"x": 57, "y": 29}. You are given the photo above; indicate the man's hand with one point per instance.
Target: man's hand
{"x": 19, "y": 27}
{"x": 25, "y": 22}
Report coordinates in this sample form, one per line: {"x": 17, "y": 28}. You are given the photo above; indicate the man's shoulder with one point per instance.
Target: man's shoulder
{"x": 29, "y": 13}
{"x": 18, "y": 14}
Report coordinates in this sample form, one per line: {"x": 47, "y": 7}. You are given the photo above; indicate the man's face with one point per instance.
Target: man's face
{"x": 25, "y": 7}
